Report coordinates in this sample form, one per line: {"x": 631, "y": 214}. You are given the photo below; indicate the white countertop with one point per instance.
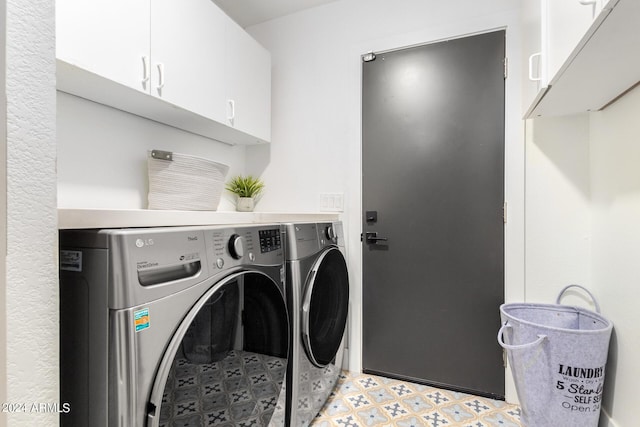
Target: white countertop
{"x": 123, "y": 218}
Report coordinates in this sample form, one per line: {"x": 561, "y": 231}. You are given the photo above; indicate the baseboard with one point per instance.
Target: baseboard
{"x": 606, "y": 420}
{"x": 345, "y": 360}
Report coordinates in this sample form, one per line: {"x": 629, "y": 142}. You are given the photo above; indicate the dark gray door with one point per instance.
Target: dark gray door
{"x": 433, "y": 186}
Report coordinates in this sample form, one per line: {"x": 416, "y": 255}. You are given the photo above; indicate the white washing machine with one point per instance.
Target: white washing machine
{"x": 318, "y": 298}
{"x": 173, "y": 326}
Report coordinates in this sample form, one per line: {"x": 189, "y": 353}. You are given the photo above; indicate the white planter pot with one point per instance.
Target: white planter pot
{"x": 245, "y": 204}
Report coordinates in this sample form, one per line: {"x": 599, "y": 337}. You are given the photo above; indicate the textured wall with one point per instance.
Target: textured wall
{"x": 31, "y": 267}
{"x": 3, "y": 217}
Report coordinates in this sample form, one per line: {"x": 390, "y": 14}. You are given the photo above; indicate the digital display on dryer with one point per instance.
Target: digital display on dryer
{"x": 269, "y": 240}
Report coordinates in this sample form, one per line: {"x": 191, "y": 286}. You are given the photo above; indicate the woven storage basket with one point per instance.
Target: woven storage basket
{"x": 183, "y": 182}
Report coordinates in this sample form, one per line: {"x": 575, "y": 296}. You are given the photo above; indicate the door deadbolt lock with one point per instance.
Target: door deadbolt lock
{"x": 371, "y": 216}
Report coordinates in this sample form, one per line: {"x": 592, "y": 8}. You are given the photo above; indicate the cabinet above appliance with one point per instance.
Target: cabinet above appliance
{"x": 601, "y": 67}
{"x": 185, "y": 64}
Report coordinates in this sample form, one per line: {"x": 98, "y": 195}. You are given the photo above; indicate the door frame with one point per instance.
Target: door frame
{"x": 514, "y": 165}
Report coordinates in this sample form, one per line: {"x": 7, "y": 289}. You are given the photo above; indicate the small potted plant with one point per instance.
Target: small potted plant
{"x": 247, "y": 189}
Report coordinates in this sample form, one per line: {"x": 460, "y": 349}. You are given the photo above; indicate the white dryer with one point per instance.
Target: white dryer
{"x": 173, "y": 326}
{"x": 318, "y": 298}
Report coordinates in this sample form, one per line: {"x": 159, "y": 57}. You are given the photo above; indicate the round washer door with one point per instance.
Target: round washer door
{"x": 226, "y": 362}
{"x": 325, "y": 306}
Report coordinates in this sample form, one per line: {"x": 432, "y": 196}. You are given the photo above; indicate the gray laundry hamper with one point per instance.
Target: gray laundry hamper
{"x": 557, "y": 355}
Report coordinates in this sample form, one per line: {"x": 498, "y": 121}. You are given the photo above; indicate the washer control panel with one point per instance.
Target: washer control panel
{"x": 270, "y": 240}
{"x": 236, "y": 246}
{"x": 232, "y": 243}
{"x": 232, "y": 246}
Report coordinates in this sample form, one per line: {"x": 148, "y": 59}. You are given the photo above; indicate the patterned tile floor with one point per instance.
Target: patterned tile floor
{"x": 243, "y": 389}
{"x": 365, "y": 400}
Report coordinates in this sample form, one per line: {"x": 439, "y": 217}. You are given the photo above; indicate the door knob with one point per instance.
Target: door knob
{"x": 372, "y": 238}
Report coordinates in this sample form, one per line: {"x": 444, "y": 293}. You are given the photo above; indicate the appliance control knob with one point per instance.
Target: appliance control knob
{"x": 331, "y": 233}
{"x": 236, "y": 246}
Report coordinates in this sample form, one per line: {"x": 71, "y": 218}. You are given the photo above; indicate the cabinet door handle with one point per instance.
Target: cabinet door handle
{"x": 231, "y": 111}
{"x": 592, "y": 3}
{"x": 531, "y": 58}
{"x": 160, "y": 76}
{"x": 145, "y": 69}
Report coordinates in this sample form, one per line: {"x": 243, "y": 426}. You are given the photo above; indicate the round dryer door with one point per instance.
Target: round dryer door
{"x": 325, "y": 307}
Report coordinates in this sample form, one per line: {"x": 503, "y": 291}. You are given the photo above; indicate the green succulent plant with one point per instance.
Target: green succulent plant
{"x": 245, "y": 186}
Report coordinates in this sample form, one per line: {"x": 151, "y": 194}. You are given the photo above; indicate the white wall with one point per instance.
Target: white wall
{"x": 316, "y": 110}
{"x": 102, "y": 155}
{"x": 316, "y": 81}
{"x": 558, "y": 216}
{"x": 31, "y": 220}
{"x": 583, "y": 226}
{"x": 615, "y": 189}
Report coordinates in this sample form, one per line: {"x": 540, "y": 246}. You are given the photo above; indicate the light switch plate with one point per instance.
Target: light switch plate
{"x": 331, "y": 202}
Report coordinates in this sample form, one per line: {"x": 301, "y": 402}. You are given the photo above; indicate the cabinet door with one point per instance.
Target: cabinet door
{"x": 187, "y": 55}
{"x": 534, "y": 80}
{"x": 567, "y": 23}
{"x": 248, "y": 83}
{"x": 107, "y": 37}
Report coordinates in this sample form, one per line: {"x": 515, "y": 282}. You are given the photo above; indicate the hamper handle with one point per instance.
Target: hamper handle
{"x": 520, "y": 346}
{"x": 595, "y": 303}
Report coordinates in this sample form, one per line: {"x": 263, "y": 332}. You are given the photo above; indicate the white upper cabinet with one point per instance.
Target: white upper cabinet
{"x": 183, "y": 63}
{"x": 187, "y": 55}
{"x": 248, "y": 83}
{"x": 534, "y": 83}
{"x": 552, "y": 30}
{"x": 106, "y": 37}
{"x": 583, "y": 69}
{"x": 567, "y": 21}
